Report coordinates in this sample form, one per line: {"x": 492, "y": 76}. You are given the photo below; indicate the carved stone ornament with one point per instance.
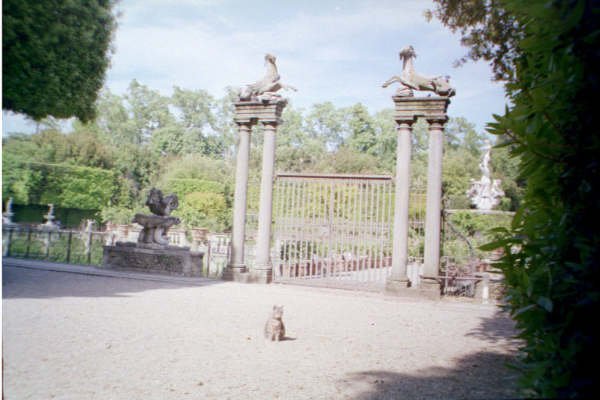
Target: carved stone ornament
{"x": 265, "y": 89}
{"x": 155, "y": 227}
{"x": 411, "y": 80}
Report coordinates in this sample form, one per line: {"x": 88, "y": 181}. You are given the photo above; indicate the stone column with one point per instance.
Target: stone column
{"x": 263, "y": 268}
{"x": 399, "y": 279}
{"x": 433, "y": 214}
{"x": 407, "y": 110}
{"x": 236, "y": 262}
{"x": 247, "y": 113}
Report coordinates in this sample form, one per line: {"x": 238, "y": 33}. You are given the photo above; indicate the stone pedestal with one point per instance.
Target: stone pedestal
{"x": 139, "y": 257}
{"x": 247, "y": 114}
{"x": 430, "y": 288}
{"x": 407, "y": 111}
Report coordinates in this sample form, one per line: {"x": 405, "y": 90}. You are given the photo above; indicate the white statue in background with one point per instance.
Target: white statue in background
{"x": 8, "y": 214}
{"x": 266, "y": 88}
{"x": 485, "y": 193}
{"x": 50, "y": 219}
{"x": 411, "y": 80}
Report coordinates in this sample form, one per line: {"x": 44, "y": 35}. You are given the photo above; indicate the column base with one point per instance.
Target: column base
{"x": 399, "y": 287}
{"x": 430, "y": 288}
{"x": 261, "y": 274}
{"x": 237, "y": 273}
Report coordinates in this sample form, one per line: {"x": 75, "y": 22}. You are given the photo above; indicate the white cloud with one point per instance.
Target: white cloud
{"x": 339, "y": 51}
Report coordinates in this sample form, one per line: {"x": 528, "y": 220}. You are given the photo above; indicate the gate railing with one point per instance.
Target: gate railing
{"x": 332, "y": 226}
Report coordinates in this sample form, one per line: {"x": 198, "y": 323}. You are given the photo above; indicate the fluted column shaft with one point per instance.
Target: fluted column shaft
{"x": 265, "y": 213}
{"x": 239, "y": 205}
{"x": 433, "y": 214}
{"x": 400, "y": 237}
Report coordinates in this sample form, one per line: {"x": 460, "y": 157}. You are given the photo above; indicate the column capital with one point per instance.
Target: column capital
{"x": 437, "y": 122}
{"x": 244, "y": 123}
{"x": 408, "y": 109}
{"x": 405, "y": 123}
{"x": 252, "y": 112}
{"x": 270, "y": 124}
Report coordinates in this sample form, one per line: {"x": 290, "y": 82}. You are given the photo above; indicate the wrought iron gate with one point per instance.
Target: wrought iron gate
{"x": 333, "y": 229}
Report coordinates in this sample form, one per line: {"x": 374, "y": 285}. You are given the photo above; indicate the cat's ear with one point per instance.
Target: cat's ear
{"x": 274, "y": 307}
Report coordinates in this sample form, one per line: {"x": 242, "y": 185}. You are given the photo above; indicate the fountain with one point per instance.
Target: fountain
{"x": 152, "y": 252}
{"x": 485, "y": 193}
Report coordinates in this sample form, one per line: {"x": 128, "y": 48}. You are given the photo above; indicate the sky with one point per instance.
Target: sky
{"x": 336, "y": 51}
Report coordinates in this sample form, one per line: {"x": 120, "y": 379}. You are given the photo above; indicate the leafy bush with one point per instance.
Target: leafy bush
{"x": 204, "y": 210}
{"x": 182, "y": 187}
{"x": 548, "y": 54}
{"x": 63, "y": 185}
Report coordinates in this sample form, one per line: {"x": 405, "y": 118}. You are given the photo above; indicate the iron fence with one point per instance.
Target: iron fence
{"x": 56, "y": 245}
{"x": 84, "y": 247}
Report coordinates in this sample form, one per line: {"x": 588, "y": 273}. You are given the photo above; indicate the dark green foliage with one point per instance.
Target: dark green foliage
{"x": 183, "y": 186}
{"x": 552, "y": 258}
{"x": 68, "y": 217}
{"x": 67, "y": 186}
{"x": 55, "y": 54}
{"x": 465, "y": 230}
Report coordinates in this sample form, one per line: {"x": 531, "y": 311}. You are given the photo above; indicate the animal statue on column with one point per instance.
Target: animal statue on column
{"x": 410, "y": 80}
{"x": 266, "y": 88}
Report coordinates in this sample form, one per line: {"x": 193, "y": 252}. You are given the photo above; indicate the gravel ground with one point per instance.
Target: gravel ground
{"x": 71, "y": 336}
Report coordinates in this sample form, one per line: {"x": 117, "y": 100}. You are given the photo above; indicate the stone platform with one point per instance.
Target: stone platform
{"x": 140, "y": 257}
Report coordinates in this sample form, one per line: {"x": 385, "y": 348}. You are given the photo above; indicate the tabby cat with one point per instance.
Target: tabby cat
{"x": 274, "y": 328}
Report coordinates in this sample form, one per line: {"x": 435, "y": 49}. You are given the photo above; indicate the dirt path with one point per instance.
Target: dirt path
{"x": 69, "y": 336}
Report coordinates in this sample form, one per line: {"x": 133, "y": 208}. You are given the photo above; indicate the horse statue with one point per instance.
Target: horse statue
{"x": 266, "y": 88}
{"x": 411, "y": 80}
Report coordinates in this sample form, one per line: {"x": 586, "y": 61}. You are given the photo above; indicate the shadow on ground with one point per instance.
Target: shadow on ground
{"x": 482, "y": 375}
{"x": 41, "y": 284}
{"x": 497, "y": 327}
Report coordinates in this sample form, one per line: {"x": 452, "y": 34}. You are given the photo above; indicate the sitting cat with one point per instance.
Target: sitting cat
{"x": 274, "y": 328}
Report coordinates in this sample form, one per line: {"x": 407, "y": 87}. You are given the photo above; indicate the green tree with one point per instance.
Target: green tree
{"x": 461, "y": 133}
{"x": 297, "y": 151}
{"x": 385, "y": 146}
{"x": 347, "y": 161}
{"x": 149, "y": 111}
{"x": 548, "y": 54}
{"x": 113, "y": 123}
{"x": 361, "y": 136}
{"x": 198, "y": 122}
{"x": 224, "y": 124}
{"x": 54, "y": 56}
{"x": 460, "y": 168}
{"x": 325, "y": 122}
{"x": 204, "y": 187}
{"x": 506, "y": 168}
{"x": 488, "y": 29}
